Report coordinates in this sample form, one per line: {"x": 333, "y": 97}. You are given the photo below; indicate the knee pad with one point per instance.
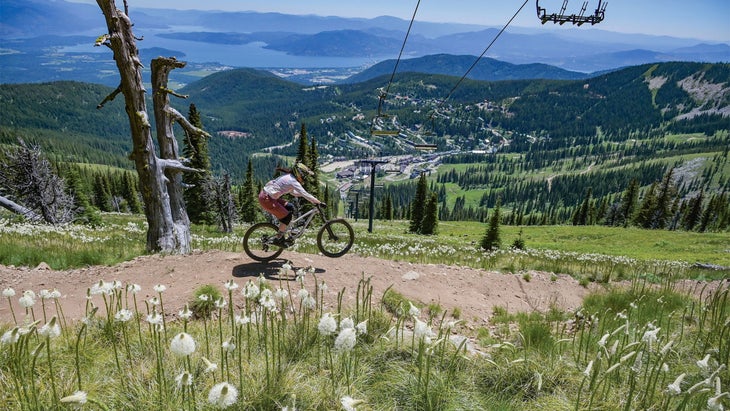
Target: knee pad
{"x": 286, "y": 219}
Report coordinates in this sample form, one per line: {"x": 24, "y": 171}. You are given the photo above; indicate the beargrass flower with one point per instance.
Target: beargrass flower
{"x": 154, "y": 301}
{"x": 675, "y": 388}
{"x": 715, "y": 403}
{"x": 230, "y": 285}
{"x": 242, "y": 319}
{"x": 422, "y": 331}
{"x": 10, "y": 336}
{"x": 123, "y": 315}
{"x": 44, "y": 294}
{"x": 650, "y": 337}
{"x": 704, "y": 363}
{"x": 134, "y": 288}
{"x": 251, "y": 291}
{"x": 362, "y": 327}
{"x": 302, "y": 294}
{"x": 209, "y": 366}
{"x": 51, "y": 329}
{"x": 229, "y": 345}
{"x": 345, "y": 340}
{"x": 154, "y": 318}
{"x": 185, "y": 379}
{"x": 159, "y": 288}
{"x": 349, "y": 403}
{"x": 79, "y": 397}
{"x": 347, "y": 323}
{"x": 309, "y": 303}
{"x": 8, "y": 292}
{"x": 220, "y": 303}
{"x": 223, "y": 395}
{"x": 589, "y": 368}
{"x": 281, "y": 294}
{"x": 603, "y": 340}
{"x": 267, "y": 301}
{"x": 28, "y": 299}
{"x": 413, "y": 311}
{"x": 182, "y": 344}
{"x": 327, "y": 325}
{"x": 185, "y": 313}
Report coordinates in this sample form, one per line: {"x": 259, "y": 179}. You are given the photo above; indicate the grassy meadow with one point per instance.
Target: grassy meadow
{"x": 636, "y": 344}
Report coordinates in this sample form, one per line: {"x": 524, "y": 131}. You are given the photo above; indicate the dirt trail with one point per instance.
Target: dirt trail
{"x": 474, "y": 292}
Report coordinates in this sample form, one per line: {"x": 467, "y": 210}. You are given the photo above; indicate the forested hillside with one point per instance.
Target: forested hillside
{"x": 539, "y": 145}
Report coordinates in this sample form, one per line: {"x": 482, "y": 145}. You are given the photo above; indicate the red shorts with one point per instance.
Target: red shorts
{"x": 274, "y": 206}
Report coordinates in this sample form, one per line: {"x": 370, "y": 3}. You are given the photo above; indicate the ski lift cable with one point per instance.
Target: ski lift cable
{"x": 395, "y": 67}
{"x": 479, "y": 58}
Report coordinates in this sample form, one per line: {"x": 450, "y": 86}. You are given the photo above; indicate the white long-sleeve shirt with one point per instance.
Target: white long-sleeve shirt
{"x": 287, "y": 184}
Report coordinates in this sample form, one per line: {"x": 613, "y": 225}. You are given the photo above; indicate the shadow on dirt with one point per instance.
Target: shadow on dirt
{"x": 273, "y": 270}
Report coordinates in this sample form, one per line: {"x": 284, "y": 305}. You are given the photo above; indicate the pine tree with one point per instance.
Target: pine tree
{"x": 313, "y": 160}
{"x": 418, "y": 204}
{"x": 131, "y": 195}
{"x": 662, "y": 209}
{"x": 303, "y": 150}
{"x": 491, "y": 240}
{"x": 430, "y": 216}
{"x": 628, "y": 203}
{"x": 102, "y": 193}
{"x": 198, "y": 198}
{"x": 247, "y": 197}
{"x": 643, "y": 217}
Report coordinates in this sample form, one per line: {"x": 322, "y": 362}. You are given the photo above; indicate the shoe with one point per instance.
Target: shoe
{"x": 280, "y": 242}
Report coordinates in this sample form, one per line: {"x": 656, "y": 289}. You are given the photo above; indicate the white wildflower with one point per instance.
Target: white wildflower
{"x": 589, "y": 368}
{"x": 650, "y": 337}
{"x": 704, "y": 363}
{"x": 134, "y": 288}
{"x": 154, "y": 318}
{"x": 281, "y": 294}
{"x": 251, "y": 291}
{"x": 349, "y": 403}
{"x": 159, "y": 288}
{"x": 230, "y": 285}
{"x": 675, "y": 388}
{"x": 347, "y": 323}
{"x": 327, "y": 325}
{"x": 413, "y": 311}
{"x": 422, "y": 331}
{"x": 185, "y": 313}
{"x": 8, "y": 292}
{"x": 229, "y": 345}
{"x": 185, "y": 379}
{"x": 220, "y": 303}
{"x": 55, "y": 294}
{"x": 715, "y": 403}
{"x": 28, "y": 299}
{"x": 309, "y": 303}
{"x": 10, "y": 336}
{"x": 123, "y": 315}
{"x": 345, "y": 340}
{"x": 223, "y": 395}
{"x": 266, "y": 299}
{"x": 44, "y": 294}
{"x": 51, "y": 329}
{"x": 79, "y": 397}
{"x": 602, "y": 341}
{"x": 182, "y": 344}
{"x": 242, "y": 319}
{"x": 209, "y": 366}
{"x": 362, "y": 327}
{"x": 154, "y": 301}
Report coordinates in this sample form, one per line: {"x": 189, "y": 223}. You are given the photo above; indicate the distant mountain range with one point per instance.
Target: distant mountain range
{"x": 38, "y": 44}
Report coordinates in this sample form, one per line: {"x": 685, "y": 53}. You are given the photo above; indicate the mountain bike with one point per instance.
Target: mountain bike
{"x": 334, "y": 239}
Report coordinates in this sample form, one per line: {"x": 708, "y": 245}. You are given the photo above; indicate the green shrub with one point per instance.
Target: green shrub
{"x": 204, "y": 299}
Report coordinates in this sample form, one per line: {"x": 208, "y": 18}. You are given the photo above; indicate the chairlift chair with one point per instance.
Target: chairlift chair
{"x": 576, "y": 19}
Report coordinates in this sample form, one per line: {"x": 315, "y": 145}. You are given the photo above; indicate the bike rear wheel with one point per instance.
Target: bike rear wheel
{"x": 257, "y": 242}
{"x": 335, "y": 238}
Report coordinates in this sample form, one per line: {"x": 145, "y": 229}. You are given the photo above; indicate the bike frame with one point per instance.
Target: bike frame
{"x": 305, "y": 219}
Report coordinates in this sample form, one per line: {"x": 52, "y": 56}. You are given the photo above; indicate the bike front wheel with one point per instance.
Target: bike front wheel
{"x": 335, "y": 238}
{"x": 257, "y": 242}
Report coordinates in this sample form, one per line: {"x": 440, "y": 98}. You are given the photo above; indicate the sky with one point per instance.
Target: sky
{"x": 696, "y": 19}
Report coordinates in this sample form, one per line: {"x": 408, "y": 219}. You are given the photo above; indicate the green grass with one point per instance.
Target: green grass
{"x": 620, "y": 351}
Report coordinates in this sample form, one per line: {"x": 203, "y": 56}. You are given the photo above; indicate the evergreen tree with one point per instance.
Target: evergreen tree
{"x": 582, "y": 213}
{"x": 102, "y": 193}
{"x": 430, "y": 216}
{"x": 131, "y": 195}
{"x": 313, "y": 160}
{"x": 491, "y": 240}
{"x": 643, "y": 217}
{"x": 662, "y": 209}
{"x": 303, "y": 150}
{"x": 628, "y": 203}
{"x": 418, "y": 204}
{"x": 247, "y": 196}
{"x": 198, "y": 198}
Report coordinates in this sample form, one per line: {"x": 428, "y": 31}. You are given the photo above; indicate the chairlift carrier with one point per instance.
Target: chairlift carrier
{"x": 576, "y": 19}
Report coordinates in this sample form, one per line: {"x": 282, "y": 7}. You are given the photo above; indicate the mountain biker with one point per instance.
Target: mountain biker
{"x": 270, "y": 197}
